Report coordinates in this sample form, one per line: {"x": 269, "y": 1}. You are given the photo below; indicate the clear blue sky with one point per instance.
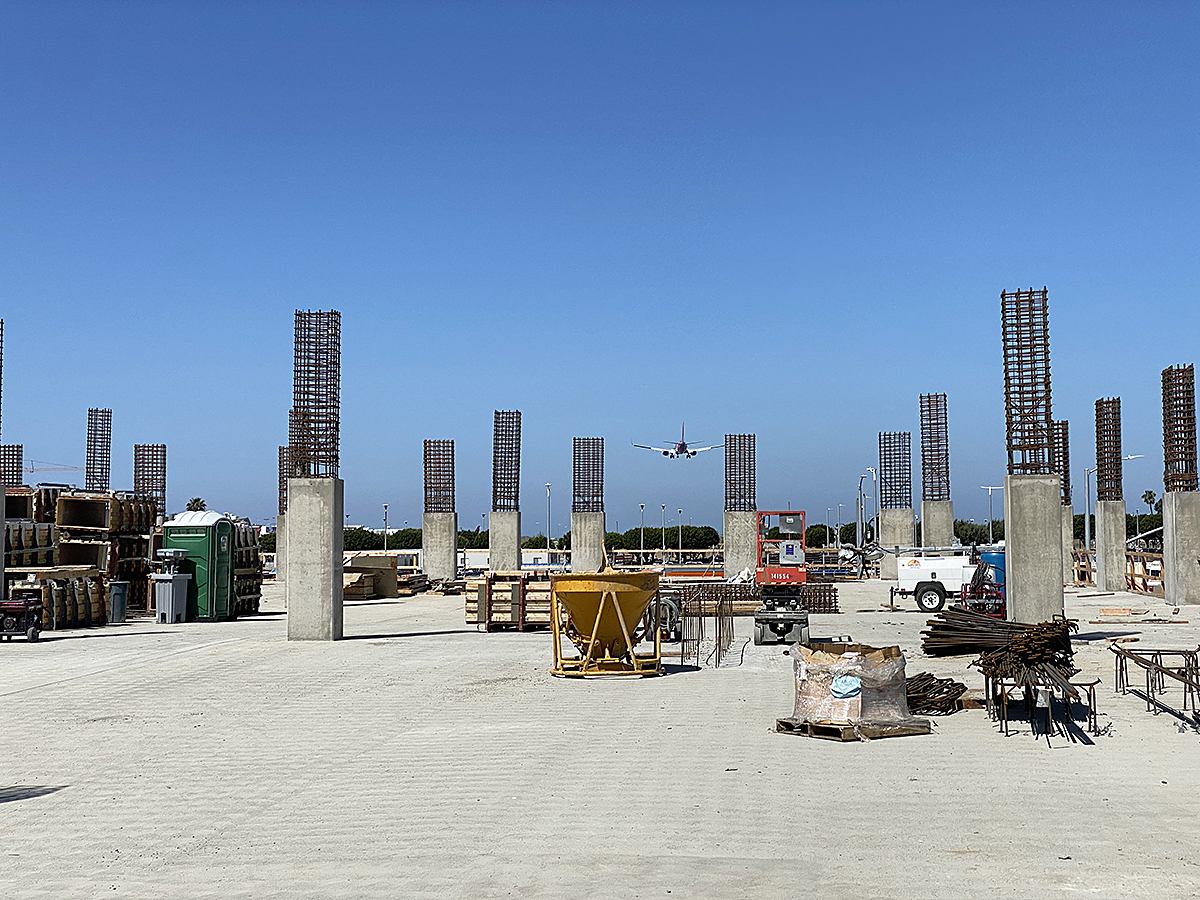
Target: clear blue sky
{"x": 781, "y": 218}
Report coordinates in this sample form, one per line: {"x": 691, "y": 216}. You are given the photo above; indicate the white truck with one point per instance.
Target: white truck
{"x": 932, "y": 579}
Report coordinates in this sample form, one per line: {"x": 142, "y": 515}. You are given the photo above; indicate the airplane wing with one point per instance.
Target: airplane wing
{"x": 655, "y": 449}
{"x": 702, "y": 449}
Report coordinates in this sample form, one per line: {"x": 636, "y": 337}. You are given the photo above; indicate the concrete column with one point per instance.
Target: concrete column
{"x": 741, "y": 541}
{"x": 937, "y": 523}
{"x": 504, "y": 540}
{"x": 439, "y": 545}
{"x": 315, "y": 522}
{"x": 895, "y": 530}
{"x": 281, "y": 548}
{"x": 1110, "y": 546}
{"x": 1068, "y": 543}
{"x": 587, "y": 541}
{"x": 1181, "y": 547}
{"x": 1033, "y": 547}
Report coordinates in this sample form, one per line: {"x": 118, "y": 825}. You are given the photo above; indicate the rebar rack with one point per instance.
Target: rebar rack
{"x": 741, "y": 478}
{"x": 1060, "y": 457}
{"x": 1025, "y": 319}
{"x": 895, "y": 470}
{"x": 1179, "y": 428}
{"x": 935, "y": 448}
{"x": 99, "y": 449}
{"x": 150, "y": 473}
{"x": 587, "y": 475}
{"x": 1108, "y": 449}
{"x": 284, "y": 471}
{"x": 12, "y": 465}
{"x": 506, "y": 460}
{"x": 439, "y": 476}
{"x": 314, "y": 422}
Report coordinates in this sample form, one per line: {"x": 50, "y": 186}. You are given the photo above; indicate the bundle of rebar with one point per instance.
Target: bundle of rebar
{"x": 957, "y": 632}
{"x": 1039, "y": 655}
{"x": 929, "y": 695}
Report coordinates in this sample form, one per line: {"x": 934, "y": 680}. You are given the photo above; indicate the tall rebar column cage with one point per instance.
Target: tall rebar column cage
{"x": 587, "y": 475}
{"x": 1025, "y": 318}
{"x": 150, "y": 473}
{"x": 935, "y": 448}
{"x": 895, "y": 470}
{"x": 99, "y": 449}
{"x": 314, "y": 422}
{"x": 285, "y": 468}
{"x": 506, "y": 460}
{"x": 2, "y": 368}
{"x": 1109, "y": 474}
{"x": 439, "y": 476}
{"x": 741, "y": 473}
{"x": 12, "y": 465}
{"x": 1060, "y": 457}
{"x": 1179, "y": 428}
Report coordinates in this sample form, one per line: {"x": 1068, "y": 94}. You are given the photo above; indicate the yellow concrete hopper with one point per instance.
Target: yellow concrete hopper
{"x": 601, "y": 614}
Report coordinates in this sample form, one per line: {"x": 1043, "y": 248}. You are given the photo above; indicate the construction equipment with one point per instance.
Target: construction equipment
{"x": 975, "y": 581}
{"x": 781, "y": 574}
{"x": 601, "y": 614}
{"x": 22, "y": 613}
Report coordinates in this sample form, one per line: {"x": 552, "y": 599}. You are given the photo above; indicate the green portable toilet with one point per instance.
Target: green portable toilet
{"x": 208, "y": 538}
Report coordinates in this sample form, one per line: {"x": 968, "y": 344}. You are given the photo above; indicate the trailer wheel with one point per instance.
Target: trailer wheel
{"x": 931, "y": 598}
{"x": 32, "y": 634}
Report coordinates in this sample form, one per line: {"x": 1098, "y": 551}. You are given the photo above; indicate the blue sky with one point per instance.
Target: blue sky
{"x": 788, "y": 219}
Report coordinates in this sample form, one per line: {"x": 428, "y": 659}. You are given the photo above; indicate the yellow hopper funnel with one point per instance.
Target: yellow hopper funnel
{"x": 600, "y": 612}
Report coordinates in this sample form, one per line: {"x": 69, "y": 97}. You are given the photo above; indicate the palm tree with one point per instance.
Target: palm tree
{"x": 196, "y": 504}
{"x": 1148, "y": 498}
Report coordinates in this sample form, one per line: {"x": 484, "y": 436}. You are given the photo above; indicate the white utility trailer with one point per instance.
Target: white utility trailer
{"x": 932, "y": 579}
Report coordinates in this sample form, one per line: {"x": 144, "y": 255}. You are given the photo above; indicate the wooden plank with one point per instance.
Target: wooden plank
{"x": 845, "y": 732}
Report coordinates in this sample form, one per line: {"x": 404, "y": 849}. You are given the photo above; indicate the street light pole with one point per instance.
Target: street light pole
{"x": 875, "y": 488}
{"x": 681, "y": 537}
{"x": 828, "y": 534}
{"x": 662, "y": 533}
{"x": 839, "y": 525}
{"x": 547, "y": 523}
{"x": 385, "y": 528}
{"x": 642, "y": 556}
{"x": 984, "y": 487}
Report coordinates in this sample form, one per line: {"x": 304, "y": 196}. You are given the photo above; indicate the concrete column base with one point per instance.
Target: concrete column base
{"x": 1110, "y": 546}
{"x": 1033, "y": 547}
{"x": 1181, "y": 547}
{"x": 313, "y": 535}
{"x": 281, "y": 548}
{"x": 1068, "y": 544}
{"x": 587, "y": 541}
{"x": 937, "y": 523}
{"x": 439, "y": 545}
{"x": 741, "y": 541}
{"x": 504, "y": 540}
{"x": 895, "y": 530}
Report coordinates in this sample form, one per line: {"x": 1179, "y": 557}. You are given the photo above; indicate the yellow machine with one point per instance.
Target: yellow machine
{"x": 601, "y": 612}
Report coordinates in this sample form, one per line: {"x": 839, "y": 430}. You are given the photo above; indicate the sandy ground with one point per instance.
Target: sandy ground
{"x": 421, "y": 758}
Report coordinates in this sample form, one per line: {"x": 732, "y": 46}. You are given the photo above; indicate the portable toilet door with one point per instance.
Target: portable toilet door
{"x": 195, "y": 538}
{"x": 224, "y": 552}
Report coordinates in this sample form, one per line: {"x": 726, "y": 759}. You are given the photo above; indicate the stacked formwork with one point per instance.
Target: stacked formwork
{"x": 247, "y": 569}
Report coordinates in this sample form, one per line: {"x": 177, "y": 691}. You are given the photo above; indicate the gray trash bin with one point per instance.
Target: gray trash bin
{"x": 170, "y": 598}
{"x": 118, "y": 601}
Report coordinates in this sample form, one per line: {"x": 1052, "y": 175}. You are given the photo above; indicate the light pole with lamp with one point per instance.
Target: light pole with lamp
{"x": 984, "y": 487}
{"x": 642, "y": 556}
{"x": 1087, "y": 502}
{"x": 828, "y": 533}
{"x": 681, "y": 537}
{"x": 839, "y": 525}
{"x": 547, "y": 523}
{"x": 875, "y": 504}
{"x": 662, "y": 533}
{"x": 385, "y": 528}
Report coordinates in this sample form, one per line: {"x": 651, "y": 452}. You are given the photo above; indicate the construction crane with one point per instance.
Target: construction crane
{"x": 51, "y": 467}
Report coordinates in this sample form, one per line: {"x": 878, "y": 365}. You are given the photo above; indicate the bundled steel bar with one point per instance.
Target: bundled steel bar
{"x": 931, "y": 696}
{"x": 150, "y": 473}
{"x": 741, "y": 487}
{"x": 895, "y": 470}
{"x": 506, "y": 460}
{"x": 1109, "y": 477}
{"x": 315, "y": 420}
{"x": 1060, "y": 457}
{"x": 284, "y": 470}
{"x": 439, "y": 476}
{"x": 12, "y": 465}
{"x": 1179, "y": 428}
{"x": 935, "y": 448}
{"x": 99, "y": 449}
{"x": 1025, "y": 321}
{"x": 588, "y": 475}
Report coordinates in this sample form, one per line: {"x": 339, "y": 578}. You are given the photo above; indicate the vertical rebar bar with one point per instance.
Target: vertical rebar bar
{"x": 315, "y": 418}
{"x": 935, "y": 448}
{"x": 99, "y": 449}
{"x": 439, "y": 476}
{"x": 1109, "y": 475}
{"x": 1179, "y": 428}
{"x": 150, "y": 473}
{"x": 588, "y": 475}
{"x": 895, "y": 470}
{"x": 1025, "y": 320}
{"x": 1060, "y": 457}
{"x": 741, "y": 477}
{"x": 506, "y": 460}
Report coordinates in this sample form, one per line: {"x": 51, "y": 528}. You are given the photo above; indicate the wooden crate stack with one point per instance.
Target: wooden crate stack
{"x": 518, "y": 600}
{"x": 247, "y": 570}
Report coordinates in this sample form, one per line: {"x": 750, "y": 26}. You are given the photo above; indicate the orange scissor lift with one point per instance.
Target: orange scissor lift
{"x": 781, "y": 575}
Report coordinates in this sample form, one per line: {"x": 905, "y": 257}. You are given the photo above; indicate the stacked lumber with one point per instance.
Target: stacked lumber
{"x": 358, "y": 585}
{"x": 411, "y": 584}
{"x": 444, "y": 586}
{"x": 509, "y": 599}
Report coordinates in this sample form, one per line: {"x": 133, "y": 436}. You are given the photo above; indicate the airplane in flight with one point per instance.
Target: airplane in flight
{"x": 681, "y": 448}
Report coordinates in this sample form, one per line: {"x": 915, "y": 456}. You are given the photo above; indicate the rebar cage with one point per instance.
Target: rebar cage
{"x": 1179, "y": 428}
{"x": 315, "y": 418}
{"x": 741, "y": 478}
{"x": 439, "y": 476}
{"x": 1108, "y": 449}
{"x": 99, "y": 449}
{"x": 895, "y": 470}
{"x": 12, "y": 464}
{"x": 1025, "y": 318}
{"x": 935, "y": 448}
{"x": 150, "y": 473}
{"x": 506, "y": 460}
{"x": 587, "y": 475}
{"x": 1060, "y": 457}
{"x": 284, "y": 469}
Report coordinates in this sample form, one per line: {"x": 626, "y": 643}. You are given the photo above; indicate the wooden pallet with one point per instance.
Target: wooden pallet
{"x": 834, "y": 731}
